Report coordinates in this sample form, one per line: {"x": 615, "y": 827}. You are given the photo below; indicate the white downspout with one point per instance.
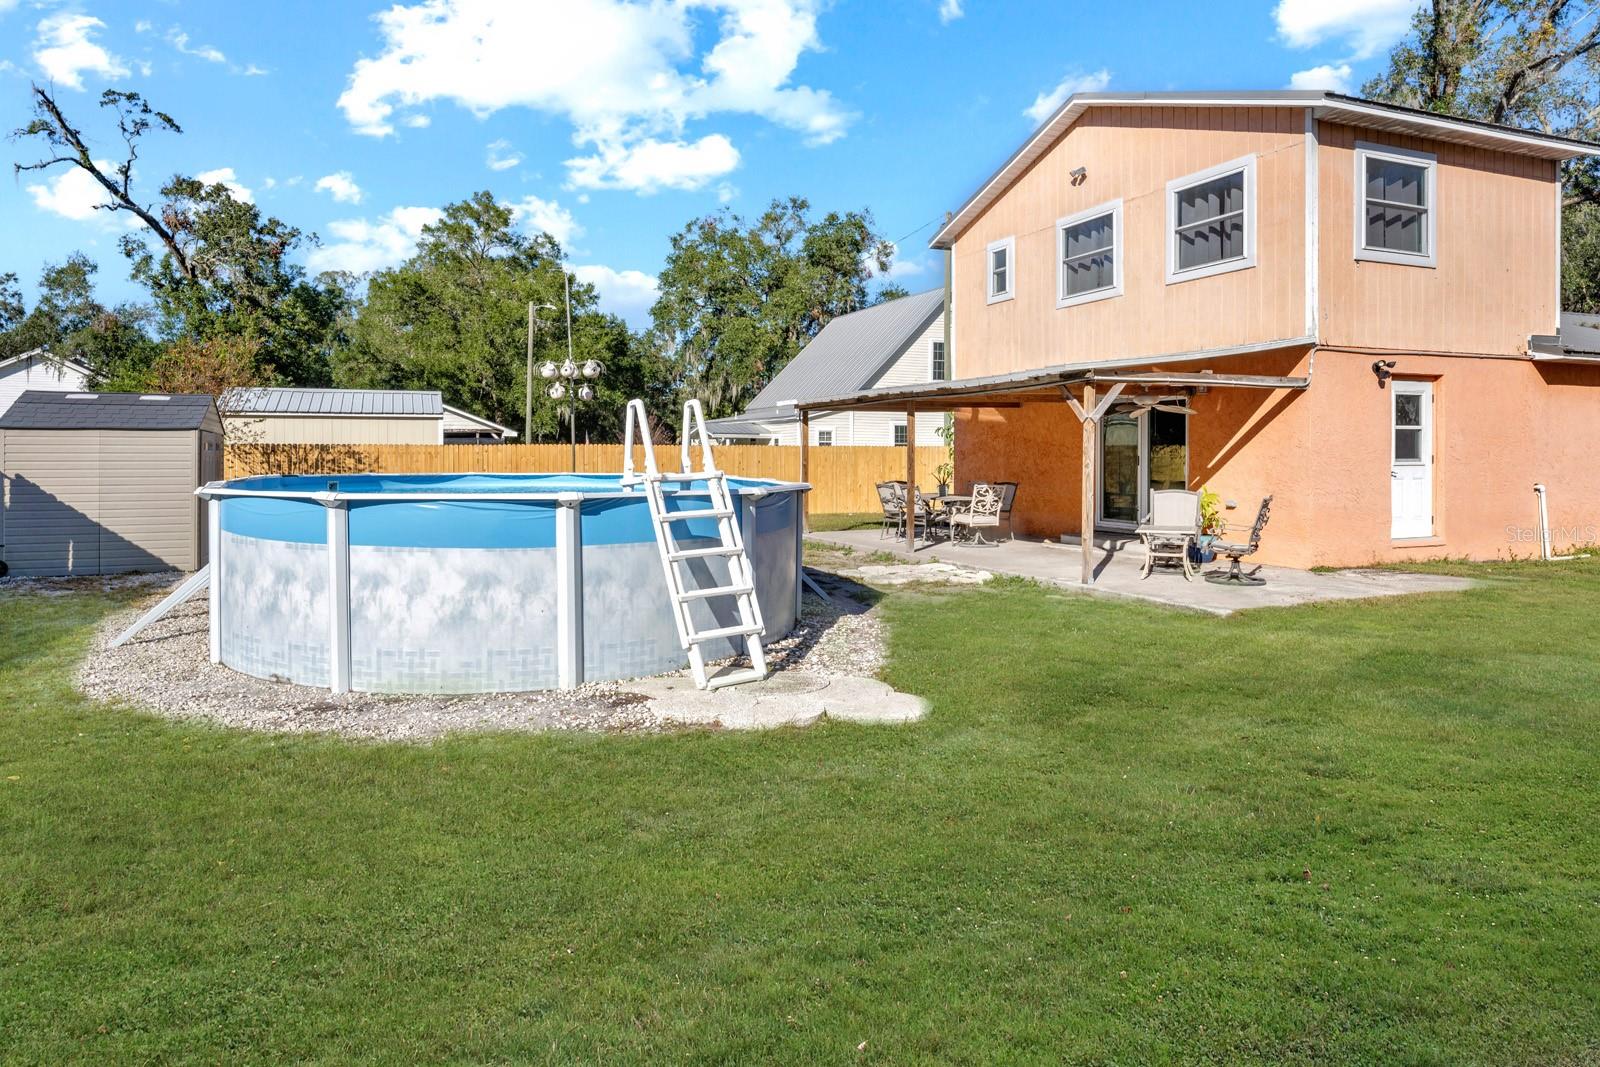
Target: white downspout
{"x": 1544, "y": 525}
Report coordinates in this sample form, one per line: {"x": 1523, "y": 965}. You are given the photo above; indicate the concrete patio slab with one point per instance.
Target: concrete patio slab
{"x": 786, "y": 698}
{"x": 1118, "y": 573}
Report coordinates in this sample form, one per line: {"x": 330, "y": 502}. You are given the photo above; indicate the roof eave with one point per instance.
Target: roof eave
{"x": 1327, "y": 105}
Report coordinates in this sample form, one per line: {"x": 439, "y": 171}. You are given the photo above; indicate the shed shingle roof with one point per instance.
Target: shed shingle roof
{"x": 422, "y": 403}
{"x": 848, "y": 354}
{"x": 44, "y": 409}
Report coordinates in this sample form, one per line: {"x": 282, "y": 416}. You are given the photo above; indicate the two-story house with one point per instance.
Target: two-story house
{"x": 898, "y": 342}
{"x": 1348, "y": 306}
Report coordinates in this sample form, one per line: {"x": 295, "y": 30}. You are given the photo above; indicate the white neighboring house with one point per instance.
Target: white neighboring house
{"x": 897, "y": 342}
{"x": 36, "y": 370}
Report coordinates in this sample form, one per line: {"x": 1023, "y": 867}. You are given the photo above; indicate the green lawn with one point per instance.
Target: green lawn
{"x": 1362, "y": 832}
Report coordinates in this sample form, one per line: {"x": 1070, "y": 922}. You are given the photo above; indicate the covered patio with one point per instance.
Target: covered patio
{"x": 1118, "y": 564}
{"x": 1090, "y": 394}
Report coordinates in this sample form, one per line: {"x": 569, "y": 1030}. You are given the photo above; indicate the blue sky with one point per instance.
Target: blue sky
{"x": 609, "y": 123}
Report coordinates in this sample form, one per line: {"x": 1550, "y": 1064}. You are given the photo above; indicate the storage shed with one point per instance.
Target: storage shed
{"x": 102, "y": 483}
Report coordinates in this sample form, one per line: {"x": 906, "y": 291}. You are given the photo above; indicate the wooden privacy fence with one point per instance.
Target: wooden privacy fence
{"x": 842, "y": 478}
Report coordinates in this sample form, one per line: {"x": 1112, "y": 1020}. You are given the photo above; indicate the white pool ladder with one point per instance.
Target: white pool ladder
{"x": 741, "y": 577}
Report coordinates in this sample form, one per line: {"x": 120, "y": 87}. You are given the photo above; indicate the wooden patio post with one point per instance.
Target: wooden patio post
{"x": 805, "y": 469}
{"x": 911, "y": 478}
{"x": 1091, "y": 439}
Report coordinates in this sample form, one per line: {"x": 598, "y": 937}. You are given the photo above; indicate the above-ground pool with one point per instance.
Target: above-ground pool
{"x": 475, "y": 582}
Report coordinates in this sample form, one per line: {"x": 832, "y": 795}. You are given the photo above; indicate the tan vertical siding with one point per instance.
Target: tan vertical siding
{"x": 1495, "y": 279}
{"x": 52, "y": 502}
{"x": 148, "y": 511}
{"x": 310, "y": 429}
{"x": 1131, "y": 154}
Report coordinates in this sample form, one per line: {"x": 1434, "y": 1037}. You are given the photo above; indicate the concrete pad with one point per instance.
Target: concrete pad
{"x": 786, "y": 698}
{"x": 1118, "y": 563}
{"x": 906, "y": 573}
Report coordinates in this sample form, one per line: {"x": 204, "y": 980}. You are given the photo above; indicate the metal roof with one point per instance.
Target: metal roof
{"x": 969, "y": 392}
{"x": 848, "y": 354}
{"x": 1579, "y": 339}
{"x": 390, "y": 403}
{"x": 1334, "y": 107}
{"x": 736, "y": 427}
{"x": 49, "y": 409}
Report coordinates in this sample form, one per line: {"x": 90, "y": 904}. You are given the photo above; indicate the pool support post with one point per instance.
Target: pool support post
{"x": 338, "y": 592}
{"x": 214, "y": 561}
{"x": 569, "y": 590}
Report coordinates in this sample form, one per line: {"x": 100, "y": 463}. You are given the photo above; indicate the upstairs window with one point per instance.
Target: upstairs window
{"x": 1090, "y": 261}
{"x": 1211, "y": 221}
{"x": 824, "y": 437}
{"x": 1395, "y": 205}
{"x": 938, "y": 370}
{"x": 900, "y": 433}
{"x": 1002, "y": 269}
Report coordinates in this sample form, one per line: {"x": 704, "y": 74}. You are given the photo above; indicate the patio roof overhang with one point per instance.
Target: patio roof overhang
{"x": 1056, "y": 384}
{"x": 1048, "y": 384}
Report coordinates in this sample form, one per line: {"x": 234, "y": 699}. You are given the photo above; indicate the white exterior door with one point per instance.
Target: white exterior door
{"x": 1411, "y": 460}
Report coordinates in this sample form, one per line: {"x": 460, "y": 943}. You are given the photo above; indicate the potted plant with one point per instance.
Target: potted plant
{"x": 946, "y": 471}
{"x": 1211, "y": 524}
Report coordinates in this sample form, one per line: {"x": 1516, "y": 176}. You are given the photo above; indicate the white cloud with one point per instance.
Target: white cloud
{"x": 1365, "y": 26}
{"x": 534, "y": 214}
{"x": 501, "y": 156}
{"x": 341, "y": 185}
{"x": 225, "y": 177}
{"x": 418, "y": 122}
{"x": 900, "y": 268}
{"x": 73, "y": 193}
{"x": 949, "y": 11}
{"x": 362, "y": 245}
{"x": 64, "y": 51}
{"x": 180, "y": 40}
{"x": 1334, "y": 77}
{"x": 628, "y": 293}
{"x": 1044, "y": 105}
{"x": 648, "y": 166}
{"x": 628, "y": 76}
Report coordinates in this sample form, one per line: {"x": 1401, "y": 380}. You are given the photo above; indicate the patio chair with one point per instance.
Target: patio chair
{"x": 893, "y": 503}
{"x": 1238, "y": 550}
{"x": 983, "y": 513}
{"x": 1169, "y": 529}
{"x": 1008, "y": 493}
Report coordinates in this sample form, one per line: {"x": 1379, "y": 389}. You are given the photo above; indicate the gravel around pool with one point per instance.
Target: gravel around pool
{"x": 166, "y": 669}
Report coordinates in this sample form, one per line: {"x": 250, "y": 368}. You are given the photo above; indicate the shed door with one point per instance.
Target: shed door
{"x": 1411, "y": 461}
{"x": 210, "y": 471}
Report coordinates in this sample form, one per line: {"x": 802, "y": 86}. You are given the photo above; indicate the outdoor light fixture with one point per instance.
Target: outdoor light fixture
{"x": 566, "y": 379}
{"x": 1079, "y": 175}
{"x": 1383, "y": 369}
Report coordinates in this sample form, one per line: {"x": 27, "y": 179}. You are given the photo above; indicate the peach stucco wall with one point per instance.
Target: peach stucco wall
{"x": 1323, "y": 454}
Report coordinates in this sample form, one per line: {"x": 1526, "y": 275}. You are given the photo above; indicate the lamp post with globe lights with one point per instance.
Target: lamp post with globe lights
{"x": 569, "y": 380}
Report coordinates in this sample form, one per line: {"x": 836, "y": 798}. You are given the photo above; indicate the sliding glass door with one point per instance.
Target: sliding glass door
{"x": 1136, "y": 456}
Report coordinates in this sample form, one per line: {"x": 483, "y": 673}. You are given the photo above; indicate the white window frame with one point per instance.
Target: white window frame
{"x": 824, "y": 433}
{"x": 1245, "y": 165}
{"x": 1114, "y": 209}
{"x": 1010, "y": 246}
{"x": 1366, "y": 150}
{"x": 933, "y": 366}
{"x": 898, "y": 430}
